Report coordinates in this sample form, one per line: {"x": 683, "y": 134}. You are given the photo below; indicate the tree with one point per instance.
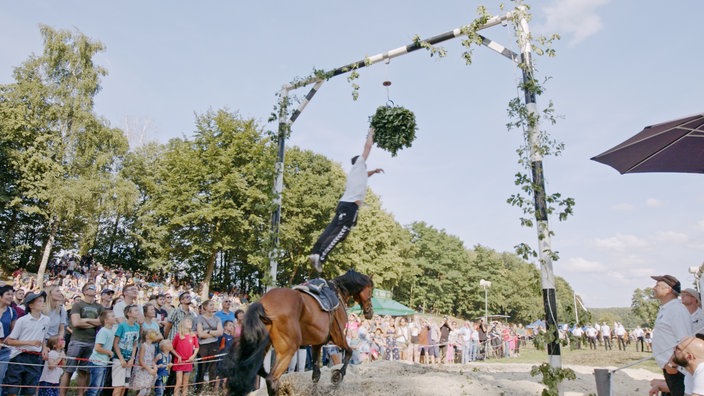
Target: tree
{"x": 61, "y": 155}
{"x": 207, "y": 196}
{"x": 644, "y": 306}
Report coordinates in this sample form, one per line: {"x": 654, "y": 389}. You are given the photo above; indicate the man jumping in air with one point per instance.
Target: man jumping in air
{"x": 346, "y": 212}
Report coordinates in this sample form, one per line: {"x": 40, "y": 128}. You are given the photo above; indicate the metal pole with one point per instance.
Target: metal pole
{"x": 576, "y": 313}
{"x": 278, "y": 188}
{"x": 486, "y": 305}
{"x": 541, "y": 213}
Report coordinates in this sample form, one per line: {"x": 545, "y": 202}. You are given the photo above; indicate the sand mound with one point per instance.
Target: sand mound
{"x": 404, "y": 379}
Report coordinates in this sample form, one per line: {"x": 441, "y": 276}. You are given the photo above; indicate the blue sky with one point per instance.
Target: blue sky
{"x": 621, "y": 65}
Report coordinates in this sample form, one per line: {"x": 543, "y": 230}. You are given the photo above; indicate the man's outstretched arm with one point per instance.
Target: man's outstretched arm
{"x": 368, "y": 144}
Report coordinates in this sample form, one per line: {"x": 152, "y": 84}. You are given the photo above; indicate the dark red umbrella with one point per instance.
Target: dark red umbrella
{"x": 673, "y": 146}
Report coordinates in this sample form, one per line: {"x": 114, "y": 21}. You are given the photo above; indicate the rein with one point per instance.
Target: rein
{"x": 343, "y": 303}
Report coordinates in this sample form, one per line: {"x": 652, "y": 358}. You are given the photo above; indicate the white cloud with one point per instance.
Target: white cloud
{"x": 653, "y": 203}
{"x": 576, "y": 17}
{"x": 623, "y": 207}
{"x": 632, "y": 260}
{"x": 671, "y": 237}
{"x": 620, "y": 242}
{"x": 580, "y": 264}
{"x": 700, "y": 224}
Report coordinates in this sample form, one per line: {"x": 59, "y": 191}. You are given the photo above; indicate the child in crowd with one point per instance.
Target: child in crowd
{"x": 186, "y": 347}
{"x": 124, "y": 346}
{"x": 226, "y": 344}
{"x": 27, "y": 339}
{"x": 163, "y": 364}
{"x": 144, "y": 374}
{"x": 102, "y": 352}
{"x": 51, "y": 374}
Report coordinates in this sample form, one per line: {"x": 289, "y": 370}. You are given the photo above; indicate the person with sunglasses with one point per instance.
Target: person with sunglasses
{"x": 175, "y": 318}
{"x": 225, "y": 313}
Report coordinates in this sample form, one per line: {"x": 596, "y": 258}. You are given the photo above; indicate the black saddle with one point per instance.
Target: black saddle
{"x": 321, "y": 291}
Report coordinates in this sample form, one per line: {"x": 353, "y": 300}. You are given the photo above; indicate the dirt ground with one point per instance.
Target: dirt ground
{"x": 401, "y": 379}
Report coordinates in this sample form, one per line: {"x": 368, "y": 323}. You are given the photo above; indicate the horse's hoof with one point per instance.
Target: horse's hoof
{"x": 337, "y": 377}
{"x": 316, "y": 376}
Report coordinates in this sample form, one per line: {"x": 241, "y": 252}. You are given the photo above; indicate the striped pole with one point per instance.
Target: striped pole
{"x": 541, "y": 213}
{"x": 284, "y": 127}
{"x": 285, "y": 124}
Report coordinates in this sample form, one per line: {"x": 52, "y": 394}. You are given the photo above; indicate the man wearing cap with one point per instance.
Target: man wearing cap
{"x": 672, "y": 324}
{"x": 84, "y": 321}
{"x": 171, "y": 329}
{"x": 106, "y": 298}
{"x": 693, "y": 303}
{"x": 28, "y": 341}
{"x": 178, "y": 313}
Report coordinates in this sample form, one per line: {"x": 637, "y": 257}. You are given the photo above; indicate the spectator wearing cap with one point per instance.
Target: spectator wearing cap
{"x": 171, "y": 329}
{"x": 28, "y": 341}
{"x": 177, "y": 314}
{"x": 692, "y": 301}
{"x": 8, "y": 318}
{"x": 672, "y": 324}
{"x": 106, "y": 298}
{"x": 84, "y": 321}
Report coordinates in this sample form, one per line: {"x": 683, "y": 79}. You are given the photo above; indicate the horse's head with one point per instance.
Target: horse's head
{"x": 360, "y": 288}
{"x": 364, "y": 299}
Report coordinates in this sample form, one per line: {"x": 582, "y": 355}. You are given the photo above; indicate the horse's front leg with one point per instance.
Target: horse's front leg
{"x": 346, "y": 361}
{"x": 316, "y": 362}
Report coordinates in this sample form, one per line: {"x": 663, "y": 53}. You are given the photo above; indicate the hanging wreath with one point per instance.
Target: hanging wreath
{"x": 394, "y": 128}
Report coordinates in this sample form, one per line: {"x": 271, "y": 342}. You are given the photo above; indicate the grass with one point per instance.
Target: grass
{"x": 585, "y": 357}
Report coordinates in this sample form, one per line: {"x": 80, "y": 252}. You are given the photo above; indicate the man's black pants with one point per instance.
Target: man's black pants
{"x": 675, "y": 382}
{"x": 338, "y": 229}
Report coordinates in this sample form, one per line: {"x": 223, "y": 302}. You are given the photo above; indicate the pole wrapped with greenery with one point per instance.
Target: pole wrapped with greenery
{"x": 394, "y": 128}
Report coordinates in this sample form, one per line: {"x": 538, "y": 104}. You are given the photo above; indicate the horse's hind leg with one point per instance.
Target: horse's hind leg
{"x": 284, "y": 353}
{"x": 316, "y": 362}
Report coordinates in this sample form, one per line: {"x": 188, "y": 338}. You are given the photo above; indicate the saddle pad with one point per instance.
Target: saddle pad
{"x": 321, "y": 292}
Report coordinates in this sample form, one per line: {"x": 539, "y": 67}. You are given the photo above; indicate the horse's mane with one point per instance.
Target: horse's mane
{"x": 353, "y": 282}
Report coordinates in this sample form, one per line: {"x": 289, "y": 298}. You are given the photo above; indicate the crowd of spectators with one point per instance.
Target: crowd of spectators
{"x": 111, "y": 330}
{"x": 602, "y": 335}
{"x": 429, "y": 341}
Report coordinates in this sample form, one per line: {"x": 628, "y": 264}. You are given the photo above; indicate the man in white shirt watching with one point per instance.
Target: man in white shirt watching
{"x": 692, "y": 301}
{"x": 672, "y": 324}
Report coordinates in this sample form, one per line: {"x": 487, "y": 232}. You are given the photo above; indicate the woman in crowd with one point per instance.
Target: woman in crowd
{"x": 54, "y": 309}
{"x": 403, "y": 339}
{"x": 8, "y": 316}
{"x": 391, "y": 352}
{"x": 239, "y": 318}
{"x": 209, "y": 329}
{"x": 150, "y": 322}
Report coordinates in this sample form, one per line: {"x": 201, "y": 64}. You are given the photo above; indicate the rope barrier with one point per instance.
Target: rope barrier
{"x": 105, "y": 387}
{"x": 209, "y": 359}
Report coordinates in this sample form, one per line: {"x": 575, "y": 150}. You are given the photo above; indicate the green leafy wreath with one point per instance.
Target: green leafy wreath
{"x": 394, "y": 128}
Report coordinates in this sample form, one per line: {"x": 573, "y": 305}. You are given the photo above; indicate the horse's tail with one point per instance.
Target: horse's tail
{"x": 250, "y": 351}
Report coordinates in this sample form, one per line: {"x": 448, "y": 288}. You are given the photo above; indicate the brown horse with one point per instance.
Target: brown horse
{"x": 286, "y": 319}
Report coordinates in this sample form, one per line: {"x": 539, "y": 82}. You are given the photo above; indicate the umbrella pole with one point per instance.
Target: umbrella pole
{"x": 541, "y": 213}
